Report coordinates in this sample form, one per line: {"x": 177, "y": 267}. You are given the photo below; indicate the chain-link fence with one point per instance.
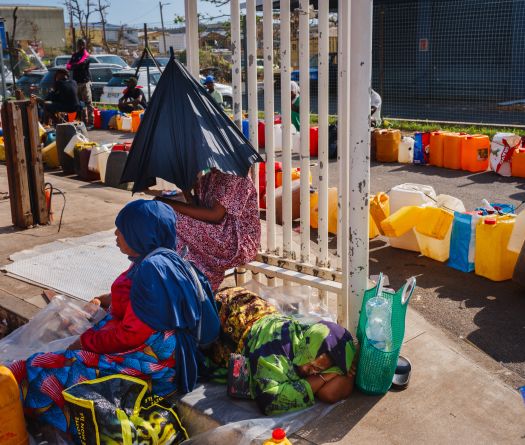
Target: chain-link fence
{"x": 450, "y": 60}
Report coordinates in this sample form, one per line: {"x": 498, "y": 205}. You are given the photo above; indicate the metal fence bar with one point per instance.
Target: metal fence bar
{"x": 236, "y": 61}
{"x": 359, "y": 172}
{"x": 251, "y": 46}
{"x": 343, "y": 152}
{"x": 286, "y": 119}
{"x": 323, "y": 89}
{"x": 192, "y": 37}
{"x": 269, "y": 145}
{"x": 304, "y": 109}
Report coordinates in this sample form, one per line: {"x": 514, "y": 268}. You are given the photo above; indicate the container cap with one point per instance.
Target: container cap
{"x": 490, "y": 221}
{"x": 278, "y": 434}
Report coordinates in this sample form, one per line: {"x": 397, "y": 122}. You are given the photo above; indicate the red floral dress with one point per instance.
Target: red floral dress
{"x": 214, "y": 248}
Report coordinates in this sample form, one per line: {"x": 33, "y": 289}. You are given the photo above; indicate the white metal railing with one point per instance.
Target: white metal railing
{"x": 293, "y": 262}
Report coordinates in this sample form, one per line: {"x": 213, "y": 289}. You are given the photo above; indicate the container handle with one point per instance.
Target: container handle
{"x": 408, "y": 290}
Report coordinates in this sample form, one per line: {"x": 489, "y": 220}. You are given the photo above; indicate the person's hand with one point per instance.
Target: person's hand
{"x": 75, "y": 346}
{"x": 328, "y": 376}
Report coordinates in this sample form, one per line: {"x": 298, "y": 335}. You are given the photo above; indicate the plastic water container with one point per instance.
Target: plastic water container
{"x": 12, "y": 424}
{"x": 135, "y": 120}
{"x": 72, "y": 117}
{"x": 379, "y": 211}
{"x": 246, "y": 128}
{"x": 406, "y": 151}
{"x": 387, "y": 145}
{"x": 64, "y": 133}
{"x": 518, "y": 163}
{"x": 493, "y": 260}
{"x": 421, "y": 148}
{"x": 278, "y": 438}
{"x": 378, "y": 327}
{"x": 463, "y": 241}
{"x": 114, "y": 169}
{"x": 401, "y": 221}
{"x": 50, "y": 155}
{"x": 296, "y": 142}
{"x": 314, "y": 141}
{"x": 501, "y": 148}
{"x": 126, "y": 123}
{"x": 97, "y": 122}
{"x": 517, "y": 236}
{"x": 278, "y": 137}
{"x": 439, "y": 249}
{"x": 452, "y": 146}
{"x": 475, "y": 153}
{"x": 332, "y": 210}
{"x": 434, "y": 222}
{"x": 436, "y": 148}
{"x": 102, "y": 160}
{"x": 409, "y": 195}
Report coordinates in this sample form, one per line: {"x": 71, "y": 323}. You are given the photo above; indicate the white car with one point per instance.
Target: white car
{"x": 95, "y": 58}
{"x": 114, "y": 89}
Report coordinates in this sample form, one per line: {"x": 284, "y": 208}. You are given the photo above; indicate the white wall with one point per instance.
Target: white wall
{"x": 178, "y": 41}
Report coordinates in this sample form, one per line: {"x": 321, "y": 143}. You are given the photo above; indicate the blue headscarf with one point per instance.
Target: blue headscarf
{"x": 164, "y": 293}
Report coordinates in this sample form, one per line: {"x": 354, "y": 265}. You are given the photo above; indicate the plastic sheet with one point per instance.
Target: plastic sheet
{"x": 54, "y": 328}
{"x": 243, "y": 423}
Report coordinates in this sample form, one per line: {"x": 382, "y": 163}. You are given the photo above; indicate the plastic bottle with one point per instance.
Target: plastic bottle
{"x": 12, "y": 423}
{"x": 278, "y": 437}
{"x": 378, "y": 328}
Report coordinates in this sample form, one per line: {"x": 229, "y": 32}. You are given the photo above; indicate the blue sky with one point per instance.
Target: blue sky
{"x": 138, "y": 12}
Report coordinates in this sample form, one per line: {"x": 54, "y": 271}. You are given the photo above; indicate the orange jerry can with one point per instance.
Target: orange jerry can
{"x": 475, "y": 153}
{"x": 387, "y": 145}
{"x": 452, "y": 146}
{"x": 518, "y": 163}
{"x": 436, "y": 148}
{"x": 135, "y": 120}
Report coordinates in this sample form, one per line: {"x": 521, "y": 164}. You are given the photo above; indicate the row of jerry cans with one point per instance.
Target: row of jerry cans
{"x": 439, "y": 227}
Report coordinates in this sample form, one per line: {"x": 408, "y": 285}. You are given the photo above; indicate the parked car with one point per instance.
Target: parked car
{"x": 101, "y": 73}
{"x": 225, "y": 90}
{"x": 98, "y": 58}
{"x": 314, "y": 72}
{"x": 162, "y": 61}
{"x": 117, "y": 84}
{"x": 29, "y": 82}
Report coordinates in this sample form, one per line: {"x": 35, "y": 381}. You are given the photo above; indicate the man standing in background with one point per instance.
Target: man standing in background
{"x": 79, "y": 66}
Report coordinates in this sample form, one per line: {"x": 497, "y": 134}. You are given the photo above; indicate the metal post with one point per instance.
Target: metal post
{"x": 359, "y": 171}
{"x": 162, "y": 24}
{"x": 2, "y": 68}
{"x": 323, "y": 88}
{"x": 147, "y": 57}
{"x": 236, "y": 61}
{"x": 269, "y": 146}
{"x": 192, "y": 37}
{"x": 304, "y": 109}
{"x": 343, "y": 130}
{"x": 286, "y": 118}
{"x": 251, "y": 45}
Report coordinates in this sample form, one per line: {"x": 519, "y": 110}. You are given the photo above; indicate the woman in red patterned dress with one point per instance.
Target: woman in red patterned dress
{"x": 218, "y": 223}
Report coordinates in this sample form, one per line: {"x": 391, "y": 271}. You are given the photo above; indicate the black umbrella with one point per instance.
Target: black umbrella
{"x": 184, "y": 132}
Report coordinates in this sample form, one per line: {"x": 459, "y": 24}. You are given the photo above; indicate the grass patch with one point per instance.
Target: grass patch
{"x": 432, "y": 126}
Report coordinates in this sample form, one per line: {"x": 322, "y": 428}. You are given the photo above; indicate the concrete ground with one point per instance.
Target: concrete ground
{"x": 457, "y": 392}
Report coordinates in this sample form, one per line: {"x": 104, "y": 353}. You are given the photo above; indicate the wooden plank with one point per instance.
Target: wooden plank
{"x": 9, "y": 163}
{"x": 36, "y": 166}
{"x": 15, "y": 150}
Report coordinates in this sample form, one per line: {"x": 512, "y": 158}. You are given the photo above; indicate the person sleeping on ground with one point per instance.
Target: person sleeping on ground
{"x": 218, "y": 223}
{"x": 160, "y": 311}
{"x": 290, "y": 363}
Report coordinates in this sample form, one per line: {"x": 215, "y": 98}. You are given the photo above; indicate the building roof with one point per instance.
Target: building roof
{"x": 34, "y": 7}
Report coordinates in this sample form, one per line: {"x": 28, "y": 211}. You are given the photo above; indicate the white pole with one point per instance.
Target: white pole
{"x": 323, "y": 89}
{"x": 359, "y": 172}
{"x": 268, "y": 119}
{"x": 304, "y": 109}
{"x": 343, "y": 130}
{"x": 251, "y": 47}
{"x": 192, "y": 37}
{"x": 236, "y": 61}
{"x": 286, "y": 108}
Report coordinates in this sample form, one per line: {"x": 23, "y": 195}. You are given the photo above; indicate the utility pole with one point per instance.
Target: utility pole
{"x": 162, "y": 24}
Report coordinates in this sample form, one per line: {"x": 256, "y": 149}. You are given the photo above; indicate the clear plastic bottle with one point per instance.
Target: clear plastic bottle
{"x": 278, "y": 437}
{"x": 378, "y": 327}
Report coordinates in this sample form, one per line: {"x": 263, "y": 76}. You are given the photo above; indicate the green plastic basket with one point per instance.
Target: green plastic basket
{"x": 376, "y": 368}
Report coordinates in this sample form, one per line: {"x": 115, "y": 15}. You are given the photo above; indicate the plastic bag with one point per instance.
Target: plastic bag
{"x": 54, "y": 328}
{"x": 70, "y": 147}
{"x": 120, "y": 409}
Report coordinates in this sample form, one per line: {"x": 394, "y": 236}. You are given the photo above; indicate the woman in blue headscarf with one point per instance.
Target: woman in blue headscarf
{"x": 160, "y": 311}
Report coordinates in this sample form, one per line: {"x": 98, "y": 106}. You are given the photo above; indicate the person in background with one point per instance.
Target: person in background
{"x": 209, "y": 82}
{"x": 133, "y": 97}
{"x": 296, "y": 101}
{"x": 375, "y": 108}
{"x": 61, "y": 99}
{"x": 79, "y": 66}
{"x": 218, "y": 224}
